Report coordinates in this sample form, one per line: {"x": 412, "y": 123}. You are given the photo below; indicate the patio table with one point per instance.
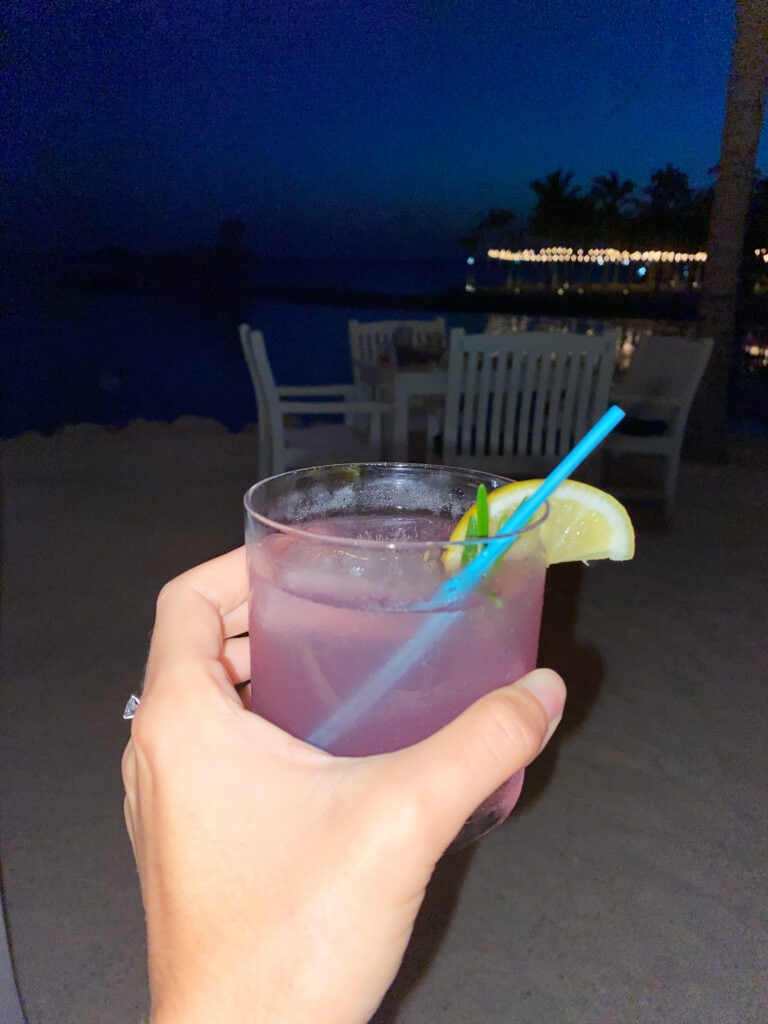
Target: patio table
{"x": 400, "y": 386}
{"x": 406, "y": 384}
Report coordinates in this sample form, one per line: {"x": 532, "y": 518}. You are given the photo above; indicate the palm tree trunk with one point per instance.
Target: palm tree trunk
{"x": 744, "y": 114}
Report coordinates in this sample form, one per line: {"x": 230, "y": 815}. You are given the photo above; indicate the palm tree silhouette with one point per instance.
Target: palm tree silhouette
{"x": 561, "y": 210}
{"x": 744, "y": 116}
{"x": 614, "y": 201}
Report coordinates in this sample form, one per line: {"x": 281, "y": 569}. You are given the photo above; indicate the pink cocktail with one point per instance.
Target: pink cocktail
{"x": 348, "y": 649}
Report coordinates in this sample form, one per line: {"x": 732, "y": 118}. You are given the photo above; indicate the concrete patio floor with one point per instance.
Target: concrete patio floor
{"x": 628, "y": 886}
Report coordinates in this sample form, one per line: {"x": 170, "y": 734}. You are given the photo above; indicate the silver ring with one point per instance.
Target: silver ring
{"x": 130, "y": 708}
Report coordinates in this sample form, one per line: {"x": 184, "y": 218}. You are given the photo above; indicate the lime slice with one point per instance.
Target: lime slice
{"x": 584, "y": 523}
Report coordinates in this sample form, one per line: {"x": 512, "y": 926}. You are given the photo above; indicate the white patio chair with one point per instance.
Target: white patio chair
{"x": 656, "y": 393}
{"x": 517, "y": 403}
{"x": 376, "y": 347}
{"x": 284, "y": 447}
{"x": 500, "y": 323}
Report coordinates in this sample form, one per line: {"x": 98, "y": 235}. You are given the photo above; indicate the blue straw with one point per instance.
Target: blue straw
{"x": 465, "y": 582}
{"x": 456, "y": 589}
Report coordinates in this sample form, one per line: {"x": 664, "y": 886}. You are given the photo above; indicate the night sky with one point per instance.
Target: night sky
{"x": 344, "y": 127}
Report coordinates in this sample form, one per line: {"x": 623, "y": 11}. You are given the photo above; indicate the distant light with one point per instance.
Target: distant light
{"x": 470, "y": 261}
{"x": 567, "y": 254}
{"x": 642, "y": 271}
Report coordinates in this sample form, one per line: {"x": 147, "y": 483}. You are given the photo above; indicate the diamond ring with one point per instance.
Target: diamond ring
{"x": 130, "y": 708}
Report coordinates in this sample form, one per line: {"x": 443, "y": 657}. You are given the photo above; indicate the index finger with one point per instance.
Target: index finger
{"x": 198, "y": 610}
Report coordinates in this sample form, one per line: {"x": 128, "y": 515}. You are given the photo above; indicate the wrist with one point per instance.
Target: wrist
{"x": 222, "y": 1008}
{"x": 221, "y": 1011}
{"x": 220, "y": 1015}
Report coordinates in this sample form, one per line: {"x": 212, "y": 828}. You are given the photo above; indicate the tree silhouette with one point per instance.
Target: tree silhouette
{"x": 613, "y": 201}
{"x": 756, "y": 236}
{"x": 562, "y": 213}
{"x": 499, "y": 228}
{"x": 744, "y": 116}
{"x": 669, "y": 190}
{"x": 663, "y": 217}
{"x": 669, "y": 214}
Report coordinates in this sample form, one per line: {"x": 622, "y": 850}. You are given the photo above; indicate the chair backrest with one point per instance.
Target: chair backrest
{"x": 519, "y": 402}
{"x": 499, "y": 323}
{"x": 424, "y": 335}
{"x": 371, "y": 349}
{"x": 667, "y": 368}
{"x": 271, "y": 436}
{"x": 373, "y": 346}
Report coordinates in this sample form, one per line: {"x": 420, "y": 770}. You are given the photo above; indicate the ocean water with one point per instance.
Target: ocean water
{"x": 109, "y": 358}
{"x": 70, "y": 356}
{"x": 391, "y": 277}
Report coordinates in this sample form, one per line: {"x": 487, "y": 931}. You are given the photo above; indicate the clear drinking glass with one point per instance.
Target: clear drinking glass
{"x": 348, "y": 648}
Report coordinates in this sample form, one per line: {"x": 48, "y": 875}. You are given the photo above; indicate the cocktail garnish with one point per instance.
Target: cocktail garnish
{"x": 583, "y": 524}
{"x": 469, "y": 551}
{"x": 482, "y": 511}
{"x": 477, "y": 526}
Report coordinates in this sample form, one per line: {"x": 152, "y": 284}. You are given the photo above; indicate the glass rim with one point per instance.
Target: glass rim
{"x": 369, "y": 544}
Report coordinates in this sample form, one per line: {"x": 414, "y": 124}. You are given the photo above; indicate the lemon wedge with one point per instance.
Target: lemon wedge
{"x": 584, "y": 523}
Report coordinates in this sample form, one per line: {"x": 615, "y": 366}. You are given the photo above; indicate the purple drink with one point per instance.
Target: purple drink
{"x": 342, "y": 562}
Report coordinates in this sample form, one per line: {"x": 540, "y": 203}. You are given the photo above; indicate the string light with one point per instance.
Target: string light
{"x": 567, "y": 254}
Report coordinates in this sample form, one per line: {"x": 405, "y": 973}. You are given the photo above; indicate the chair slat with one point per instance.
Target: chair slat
{"x": 559, "y": 409}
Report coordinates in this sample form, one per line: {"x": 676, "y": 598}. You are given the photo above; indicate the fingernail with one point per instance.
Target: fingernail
{"x": 549, "y": 691}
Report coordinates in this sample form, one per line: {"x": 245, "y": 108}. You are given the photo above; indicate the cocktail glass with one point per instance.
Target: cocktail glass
{"x": 344, "y": 564}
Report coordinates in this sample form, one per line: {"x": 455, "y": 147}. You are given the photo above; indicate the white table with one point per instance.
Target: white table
{"x": 405, "y": 385}
{"x": 399, "y": 387}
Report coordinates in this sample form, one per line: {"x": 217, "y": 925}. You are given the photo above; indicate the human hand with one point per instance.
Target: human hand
{"x": 280, "y": 883}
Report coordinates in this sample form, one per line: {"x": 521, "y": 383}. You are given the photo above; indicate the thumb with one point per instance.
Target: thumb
{"x": 463, "y": 763}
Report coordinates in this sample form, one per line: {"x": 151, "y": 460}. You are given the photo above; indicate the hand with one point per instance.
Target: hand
{"x": 280, "y": 883}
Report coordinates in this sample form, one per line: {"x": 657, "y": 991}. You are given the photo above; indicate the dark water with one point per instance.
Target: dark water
{"x": 392, "y": 277}
{"x": 70, "y": 356}
{"x": 76, "y": 356}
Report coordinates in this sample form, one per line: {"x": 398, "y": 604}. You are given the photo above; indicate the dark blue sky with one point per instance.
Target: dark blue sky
{"x": 344, "y": 126}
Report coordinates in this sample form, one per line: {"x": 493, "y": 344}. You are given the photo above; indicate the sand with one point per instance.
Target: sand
{"x": 630, "y": 884}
